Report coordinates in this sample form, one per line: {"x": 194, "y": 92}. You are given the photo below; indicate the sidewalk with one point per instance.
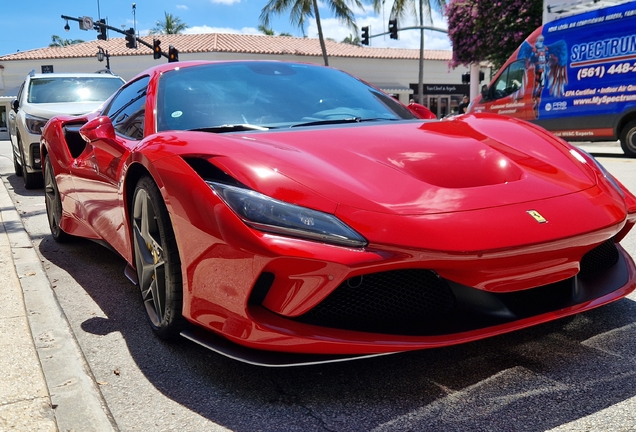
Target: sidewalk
{"x": 25, "y": 404}
{"x": 47, "y": 384}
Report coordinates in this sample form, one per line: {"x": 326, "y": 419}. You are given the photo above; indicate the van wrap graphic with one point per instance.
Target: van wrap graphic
{"x": 600, "y": 63}
{"x": 574, "y": 68}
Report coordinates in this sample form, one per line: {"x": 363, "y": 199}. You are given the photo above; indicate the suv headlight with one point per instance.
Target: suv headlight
{"x": 35, "y": 124}
{"x": 270, "y": 215}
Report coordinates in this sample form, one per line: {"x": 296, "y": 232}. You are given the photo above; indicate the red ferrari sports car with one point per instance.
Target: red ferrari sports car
{"x": 286, "y": 213}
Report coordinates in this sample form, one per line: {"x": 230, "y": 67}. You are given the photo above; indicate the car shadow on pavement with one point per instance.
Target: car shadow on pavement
{"x": 17, "y": 184}
{"x": 533, "y": 379}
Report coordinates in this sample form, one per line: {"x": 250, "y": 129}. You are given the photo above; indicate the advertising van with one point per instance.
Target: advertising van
{"x": 575, "y": 76}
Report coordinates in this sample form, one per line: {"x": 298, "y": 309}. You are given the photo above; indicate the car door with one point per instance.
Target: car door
{"x": 98, "y": 169}
{"x": 511, "y": 92}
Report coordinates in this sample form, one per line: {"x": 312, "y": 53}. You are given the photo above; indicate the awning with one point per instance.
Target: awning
{"x": 393, "y": 88}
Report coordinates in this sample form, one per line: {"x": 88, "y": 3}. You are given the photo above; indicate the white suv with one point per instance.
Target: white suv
{"x": 43, "y": 96}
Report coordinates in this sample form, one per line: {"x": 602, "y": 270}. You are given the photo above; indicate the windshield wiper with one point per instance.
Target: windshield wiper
{"x": 342, "y": 121}
{"x": 330, "y": 121}
{"x": 231, "y": 128}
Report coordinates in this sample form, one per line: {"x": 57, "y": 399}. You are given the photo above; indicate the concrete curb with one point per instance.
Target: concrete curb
{"x": 75, "y": 396}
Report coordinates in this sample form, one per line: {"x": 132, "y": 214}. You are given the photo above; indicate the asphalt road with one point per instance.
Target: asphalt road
{"x": 575, "y": 374}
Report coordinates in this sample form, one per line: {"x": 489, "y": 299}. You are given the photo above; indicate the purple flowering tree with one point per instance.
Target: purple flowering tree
{"x": 490, "y": 30}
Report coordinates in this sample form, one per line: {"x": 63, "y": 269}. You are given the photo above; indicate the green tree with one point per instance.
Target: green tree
{"x": 170, "y": 25}
{"x": 352, "y": 40}
{"x": 420, "y": 8}
{"x": 266, "y": 30}
{"x": 301, "y": 10}
{"x": 57, "y": 41}
{"x": 490, "y": 30}
{"x": 269, "y": 32}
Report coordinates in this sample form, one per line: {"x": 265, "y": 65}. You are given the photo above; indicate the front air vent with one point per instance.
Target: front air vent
{"x": 388, "y": 302}
{"x": 599, "y": 259}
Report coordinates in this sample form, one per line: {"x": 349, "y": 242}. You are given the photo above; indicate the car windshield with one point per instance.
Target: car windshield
{"x": 72, "y": 89}
{"x": 233, "y": 96}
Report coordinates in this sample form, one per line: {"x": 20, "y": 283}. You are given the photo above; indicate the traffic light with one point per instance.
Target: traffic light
{"x": 393, "y": 29}
{"x": 364, "y": 38}
{"x": 156, "y": 49}
{"x": 173, "y": 54}
{"x": 102, "y": 29}
{"x": 131, "y": 42}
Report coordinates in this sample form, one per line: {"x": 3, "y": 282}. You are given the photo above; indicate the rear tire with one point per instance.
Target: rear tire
{"x": 628, "y": 139}
{"x": 157, "y": 260}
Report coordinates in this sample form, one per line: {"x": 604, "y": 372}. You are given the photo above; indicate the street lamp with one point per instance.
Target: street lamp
{"x": 101, "y": 55}
{"x": 67, "y": 27}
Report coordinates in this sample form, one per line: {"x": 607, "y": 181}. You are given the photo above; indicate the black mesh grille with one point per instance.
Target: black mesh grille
{"x": 419, "y": 302}
{"x": 599, "y": 259}
{"x": 388, "y": 302}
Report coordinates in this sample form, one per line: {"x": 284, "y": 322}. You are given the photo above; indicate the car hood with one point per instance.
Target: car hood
{"x": 48, "y": 110}
{"x": 416, "y": 168}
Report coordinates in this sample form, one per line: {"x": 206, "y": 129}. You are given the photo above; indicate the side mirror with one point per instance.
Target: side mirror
{"x": 15, "y": 105}
{"x": 101, "y": 133}
{"x": 484, "y": 92}
{"x": 420, "y": 111}
{"x": 100, "y": 128}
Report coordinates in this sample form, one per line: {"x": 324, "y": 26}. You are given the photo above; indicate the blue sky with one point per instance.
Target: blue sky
{"x": 30, "y": 24}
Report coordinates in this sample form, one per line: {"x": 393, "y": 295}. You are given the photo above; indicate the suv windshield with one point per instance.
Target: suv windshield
{"x": 232, "y": 96}
{"x": 72, "y": 89}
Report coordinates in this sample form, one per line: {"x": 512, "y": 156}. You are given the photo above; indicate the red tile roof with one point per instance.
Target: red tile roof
{"x": 228, "y": 43}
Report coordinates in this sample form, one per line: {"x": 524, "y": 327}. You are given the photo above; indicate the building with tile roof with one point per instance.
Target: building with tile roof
{"x": 391, "y": 69}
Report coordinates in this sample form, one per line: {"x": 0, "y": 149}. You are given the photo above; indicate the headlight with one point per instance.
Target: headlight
{"x": 267, "y": 214}
{"x": 600, "y": 167}
{"x": 35, "y": 124}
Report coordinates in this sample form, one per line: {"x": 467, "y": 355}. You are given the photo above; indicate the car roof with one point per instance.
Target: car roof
{"x": 73, "y": 75}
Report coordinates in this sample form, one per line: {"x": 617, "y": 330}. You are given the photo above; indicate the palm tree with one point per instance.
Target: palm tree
{"x": 303, "y": 9}
{"x": 170, "y": 25}
{"x": 57, "y": 41}
{"x": 266, "y": 30}
{"x": 352, "y": 40}
{"x": 402, "y": 8}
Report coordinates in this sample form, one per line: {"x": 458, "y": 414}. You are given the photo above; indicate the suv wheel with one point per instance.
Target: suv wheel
{"x": 32, "y": 180}
{"x": 17, "y": 167}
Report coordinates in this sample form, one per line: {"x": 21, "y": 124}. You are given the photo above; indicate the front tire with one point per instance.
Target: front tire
{"x": 53, "y": 203}
{"x": 17, "y": 167}
{"x": 628, "y": 139}
{"x": 157, "y": 260}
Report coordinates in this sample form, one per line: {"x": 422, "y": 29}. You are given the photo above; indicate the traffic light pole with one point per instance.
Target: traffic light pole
{"x": 441, "y": 30}
{"x": 98, "y": 26}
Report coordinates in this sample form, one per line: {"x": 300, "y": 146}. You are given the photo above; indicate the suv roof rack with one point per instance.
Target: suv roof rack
{"x": 105, "y": 71}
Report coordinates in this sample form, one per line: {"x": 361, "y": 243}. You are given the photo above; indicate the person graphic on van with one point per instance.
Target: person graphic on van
{"x": 549, "y": 62}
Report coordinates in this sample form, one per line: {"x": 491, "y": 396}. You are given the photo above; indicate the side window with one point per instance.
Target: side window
{"x": 510, "y": 80}
{"x": 19, "y": 97}
{"x": 127, "y": 109}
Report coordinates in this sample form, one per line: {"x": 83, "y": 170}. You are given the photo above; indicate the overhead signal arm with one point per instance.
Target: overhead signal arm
{"x": 129, "y": 34}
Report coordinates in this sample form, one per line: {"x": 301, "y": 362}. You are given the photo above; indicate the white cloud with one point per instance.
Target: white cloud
{"x": 208, "y": 29}
{"x": 184, "y": 7}
{"x": 334, "y": 29}
{"x": 226, "y": 2}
